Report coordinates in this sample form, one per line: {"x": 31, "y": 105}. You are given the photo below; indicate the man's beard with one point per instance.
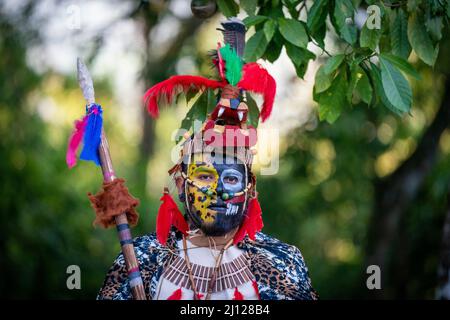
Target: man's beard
{"x": 227, "y": 219}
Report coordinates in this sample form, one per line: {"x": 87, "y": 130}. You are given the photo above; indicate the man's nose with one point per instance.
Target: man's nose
{"x": 219, "y": 188}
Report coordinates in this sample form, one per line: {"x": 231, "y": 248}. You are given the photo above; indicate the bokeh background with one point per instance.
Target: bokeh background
{"x": 371, "y": 187}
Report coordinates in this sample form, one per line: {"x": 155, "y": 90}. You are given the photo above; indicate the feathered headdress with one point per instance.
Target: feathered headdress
{"x": 232, "y": 70}
{"x": 230, "y": 115}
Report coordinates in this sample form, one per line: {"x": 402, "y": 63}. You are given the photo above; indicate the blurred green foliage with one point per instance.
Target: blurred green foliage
{"x": 322, "y": 199}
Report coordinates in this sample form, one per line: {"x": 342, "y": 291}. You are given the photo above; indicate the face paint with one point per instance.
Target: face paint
{"x": 213, "y": 206}
{"x": 205, "y": 177}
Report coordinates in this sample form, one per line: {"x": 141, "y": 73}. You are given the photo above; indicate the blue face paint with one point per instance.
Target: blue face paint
{"x": 231, "y": 180}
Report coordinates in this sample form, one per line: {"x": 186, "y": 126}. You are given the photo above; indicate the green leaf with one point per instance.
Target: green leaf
{"x": 332, "y": 101}
{"x": 256, "y": 46}
{"x": 317, "y": 15}
{"x": 343, "y": 20}
{"x": 375, "y": 74}
{"x": 322, "y": 81}
{"x": 249, "y": 6}
{"x": 379, "y": 98}
{"x": 253, "y": 111}
{"x": 385, "y": 43}
{"x": 361, "y": 54}
{"x": 399, "y": 34}
{"x": 395, "y": 86}
{"x": 300, "y": 58}
{"x": 333, "y": 63}
{"x": 359, "y": 84}
{"x": 293, "y": 31}
{"x": 298, "y": 55}
{"x": 434, "y": 27}
{"x": 254, "y": 20}
{"x": 402, "y": 64}
{"x": 229, "y": 8}
{"x": 412, "y": 5}
{"x": 190, "y": 94}
{"x": 210, "y": 100}
{"x": 356, "y": 73}
{"x": 270, "y": 11}
{"x": 300, "y": 69}
{"x": 369, "y": 38}
{"x": 349, "y": 33}
{"x": 274, "y": 48}
{"x": 421, "y": 41}
{"x": 364, "y": 88}
{"x": 269, "y": 29}
{"x": 204, "y": 104}
{"x": 317, "y": 22}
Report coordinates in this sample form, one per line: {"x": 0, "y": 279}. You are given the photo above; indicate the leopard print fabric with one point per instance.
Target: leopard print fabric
{"x": 279, "y": 268}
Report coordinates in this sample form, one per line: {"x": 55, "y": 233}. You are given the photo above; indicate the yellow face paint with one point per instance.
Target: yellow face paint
{"x": 204, "y": 175}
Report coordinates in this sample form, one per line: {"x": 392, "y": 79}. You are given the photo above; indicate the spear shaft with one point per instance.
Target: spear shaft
{"x": 123, "y": 228}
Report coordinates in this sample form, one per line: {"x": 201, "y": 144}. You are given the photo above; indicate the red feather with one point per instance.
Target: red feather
{"x": 176, "y": 295}
{"x": 168, "y": 215}
{"x": 237, "y": 295}
{"x": 171, "y": 87}
{"x": 253, "y": 222}
{"x": 256, "y": 79}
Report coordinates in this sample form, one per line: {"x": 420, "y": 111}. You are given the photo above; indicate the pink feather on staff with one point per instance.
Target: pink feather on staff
{"x": 256, "y": 79}
{"x": 75, "y": 140}
{"x": 169, "y": 88}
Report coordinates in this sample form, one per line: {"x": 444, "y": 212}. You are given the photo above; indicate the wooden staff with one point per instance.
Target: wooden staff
{"x": 123, "y": 229}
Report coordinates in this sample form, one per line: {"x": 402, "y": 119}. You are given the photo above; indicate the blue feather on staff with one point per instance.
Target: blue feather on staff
{"x": 92, "y": 135}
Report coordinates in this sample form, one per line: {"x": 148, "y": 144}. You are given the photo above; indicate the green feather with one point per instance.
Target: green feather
{"x": 233, "y": 65}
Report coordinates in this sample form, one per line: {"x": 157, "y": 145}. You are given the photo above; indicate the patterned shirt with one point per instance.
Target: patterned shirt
{"x": 279, "y": 268}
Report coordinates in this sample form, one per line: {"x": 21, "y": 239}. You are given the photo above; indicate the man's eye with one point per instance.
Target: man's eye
{"x": 231, "y": 180}
{"x": 205, "y": 177}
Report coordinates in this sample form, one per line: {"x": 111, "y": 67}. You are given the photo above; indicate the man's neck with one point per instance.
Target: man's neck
{"x": 201, "y": 240}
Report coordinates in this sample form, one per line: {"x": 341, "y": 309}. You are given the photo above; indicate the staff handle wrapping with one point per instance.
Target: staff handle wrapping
{"x": 123, "y": 229}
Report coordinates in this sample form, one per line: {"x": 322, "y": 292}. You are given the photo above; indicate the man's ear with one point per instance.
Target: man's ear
{"x": 179, "y": 182}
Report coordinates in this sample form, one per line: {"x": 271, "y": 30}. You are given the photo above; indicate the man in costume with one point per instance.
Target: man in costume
{"x": 215, "y": 250}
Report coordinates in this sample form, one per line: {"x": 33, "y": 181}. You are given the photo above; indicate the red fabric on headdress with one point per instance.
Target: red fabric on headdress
{"x": 232, "y": 135}
{"x": 168, "y": 215}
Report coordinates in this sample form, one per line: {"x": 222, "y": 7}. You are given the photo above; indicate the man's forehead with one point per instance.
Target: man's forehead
{"x": 219, "y": 163}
